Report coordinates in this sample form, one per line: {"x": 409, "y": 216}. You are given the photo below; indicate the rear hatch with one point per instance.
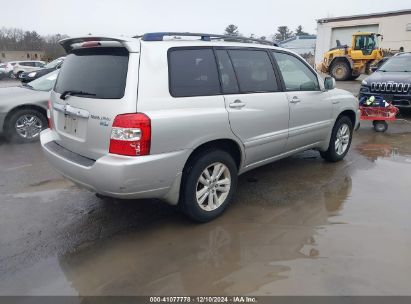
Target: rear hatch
{"x": 97, "y": 82}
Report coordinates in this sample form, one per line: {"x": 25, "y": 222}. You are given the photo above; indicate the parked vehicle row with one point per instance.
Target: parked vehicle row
{"x": 31, "y": 75}
{"x": 26, "y": 66}
{"x": 29, "y": 70}
{"x": 179, "y": 119}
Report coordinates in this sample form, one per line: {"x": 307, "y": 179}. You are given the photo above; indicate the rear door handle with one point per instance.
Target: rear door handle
{"x": 237, "y": 104}
{"x": 295, "y": 99}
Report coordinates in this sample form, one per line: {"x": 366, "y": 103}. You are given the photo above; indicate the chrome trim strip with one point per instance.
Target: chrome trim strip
{"x": 67, "y": 109}
{"x": 390, "y": 87}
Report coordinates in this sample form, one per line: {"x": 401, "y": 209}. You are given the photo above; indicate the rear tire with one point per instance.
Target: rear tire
{"x": 208, "y": 185}
{"x": 340, "y": 140}
{"x": 25, "y": 125}
{"x": 340, "y": 70}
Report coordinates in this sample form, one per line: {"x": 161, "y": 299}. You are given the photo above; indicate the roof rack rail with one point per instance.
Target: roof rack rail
{"x": 159, "y": 36}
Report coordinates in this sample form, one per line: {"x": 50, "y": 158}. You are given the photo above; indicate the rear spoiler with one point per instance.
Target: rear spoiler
{"x": 69, "y": 44}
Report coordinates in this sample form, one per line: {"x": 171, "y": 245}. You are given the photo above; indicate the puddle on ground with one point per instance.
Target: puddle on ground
{"x": 297, "y": 227}
{"x": 46, "y": 190}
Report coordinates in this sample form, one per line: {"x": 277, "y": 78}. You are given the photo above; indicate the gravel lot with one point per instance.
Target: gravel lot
{"x": 299, "y": 226}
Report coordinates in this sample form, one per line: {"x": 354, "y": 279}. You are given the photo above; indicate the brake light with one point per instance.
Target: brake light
{"x": 131, "y": 135}
{"x": 88, "y": 44}
{"x": 50, "y": 123}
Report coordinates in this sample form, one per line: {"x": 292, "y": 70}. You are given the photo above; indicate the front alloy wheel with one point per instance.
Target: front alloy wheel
{"x": 340, "y": 140}
{"x": 25, "y": 125}
{"x": 343, "y": 139}
{"x": 29, "y": 126}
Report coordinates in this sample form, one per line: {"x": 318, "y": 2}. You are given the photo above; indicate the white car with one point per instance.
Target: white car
{"x": 8, "y": 67}
{"x": 2, "y": 70}
{"x": 27, "y": 66}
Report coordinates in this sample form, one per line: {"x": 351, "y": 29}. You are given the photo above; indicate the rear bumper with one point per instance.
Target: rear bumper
{"x": 152, "y": 176}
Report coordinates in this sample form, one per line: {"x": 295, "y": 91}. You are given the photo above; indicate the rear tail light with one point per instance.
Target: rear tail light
{"x": 131, "y": 135}
{"x": 50, "y": 123}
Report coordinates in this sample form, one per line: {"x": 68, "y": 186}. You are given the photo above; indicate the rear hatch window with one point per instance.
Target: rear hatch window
{"x": 100, "y": 73}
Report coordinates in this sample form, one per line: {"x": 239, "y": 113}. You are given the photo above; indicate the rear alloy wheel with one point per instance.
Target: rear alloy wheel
{"x": 340, "y": 141}
{"x": 213, "y": 186}
{"x": 25, "y": 126}
{"x": 340, "y": 70}
{"x": 209, "y": 182}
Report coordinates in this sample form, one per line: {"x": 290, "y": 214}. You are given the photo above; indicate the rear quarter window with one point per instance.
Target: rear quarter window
{"x": 193, "y": 72}
{"x": 98, "y": 71}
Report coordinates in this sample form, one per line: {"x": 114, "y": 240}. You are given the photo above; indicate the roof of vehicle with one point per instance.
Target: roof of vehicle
{"x": 169, "y": 38}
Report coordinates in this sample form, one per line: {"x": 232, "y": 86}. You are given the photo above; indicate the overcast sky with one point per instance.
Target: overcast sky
{"x": 131, "y": 17}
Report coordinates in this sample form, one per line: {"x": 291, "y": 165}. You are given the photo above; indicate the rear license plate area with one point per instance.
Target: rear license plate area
{"x": 70, "y": 124}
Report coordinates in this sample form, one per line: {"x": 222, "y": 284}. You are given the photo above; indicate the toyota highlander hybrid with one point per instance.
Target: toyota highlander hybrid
{"x": 179, "y": 119}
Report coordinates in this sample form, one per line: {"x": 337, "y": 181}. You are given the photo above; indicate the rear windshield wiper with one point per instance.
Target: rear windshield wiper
{"x": 73, "y": 93}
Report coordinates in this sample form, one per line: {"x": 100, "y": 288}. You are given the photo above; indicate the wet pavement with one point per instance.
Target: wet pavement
{"x": 299, "y": 226}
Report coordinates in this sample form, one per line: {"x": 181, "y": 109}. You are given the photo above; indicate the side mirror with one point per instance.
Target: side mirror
{"x": 329, "y": 83}
{"x": 374, "y": 68}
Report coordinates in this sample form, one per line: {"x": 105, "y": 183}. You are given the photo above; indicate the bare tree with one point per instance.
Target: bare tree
{"x": 231, "y": 30}
{"x": 14, "y": 39}
{"x": 299, "y": 31}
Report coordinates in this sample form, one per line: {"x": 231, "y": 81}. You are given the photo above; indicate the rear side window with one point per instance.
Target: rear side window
{"x": 101, "y": 72}
{"x": 254, "y": 71}
{"x": 193, "y": 73}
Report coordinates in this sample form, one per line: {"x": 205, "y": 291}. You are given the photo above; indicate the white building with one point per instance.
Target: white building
{"x": 395, "y": 27}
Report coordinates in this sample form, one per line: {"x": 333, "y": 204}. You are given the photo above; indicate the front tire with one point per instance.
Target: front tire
{"x": 341, "y": 71}
{"x": 208, "y": 185}
{"x": 340, "y": 140}
{"x": 25, "y": 126}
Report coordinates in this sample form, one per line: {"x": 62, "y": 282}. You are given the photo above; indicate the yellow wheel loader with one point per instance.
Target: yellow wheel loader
{"x": 348, "y": 62}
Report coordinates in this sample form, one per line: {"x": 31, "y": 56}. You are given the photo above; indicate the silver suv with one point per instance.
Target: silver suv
{"x": 179, "y": 116}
